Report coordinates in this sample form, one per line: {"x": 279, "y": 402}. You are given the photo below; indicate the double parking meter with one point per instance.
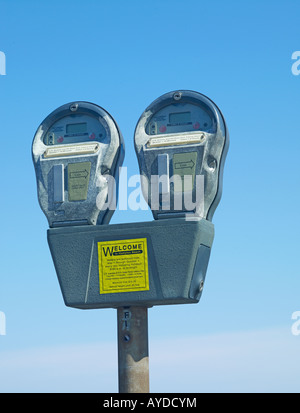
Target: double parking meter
{"x": 76, "y": 150}
{"x": 181, "y": 142}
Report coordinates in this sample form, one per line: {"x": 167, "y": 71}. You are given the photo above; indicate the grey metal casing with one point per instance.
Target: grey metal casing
{"x": 178, "y": 255}
{"x": 100, "y": 160}
{"x": 210, "y": 147}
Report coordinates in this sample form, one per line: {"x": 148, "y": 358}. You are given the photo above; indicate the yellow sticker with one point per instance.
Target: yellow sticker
{"x": 123, "y": 266}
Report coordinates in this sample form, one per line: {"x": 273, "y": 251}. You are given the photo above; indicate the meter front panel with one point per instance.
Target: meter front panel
{"x": 181, "y": 143}
{"x": 181, "y": 117}
{"x": 76, "y": 129}
{"x": 76, "y": 150}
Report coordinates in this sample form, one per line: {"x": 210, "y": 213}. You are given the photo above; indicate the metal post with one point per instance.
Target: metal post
{"x": 133, "y": 360}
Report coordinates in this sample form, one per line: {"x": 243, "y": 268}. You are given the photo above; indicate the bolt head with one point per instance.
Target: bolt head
{"x": 74, "y": 107}
{"x": 177, "y": 95}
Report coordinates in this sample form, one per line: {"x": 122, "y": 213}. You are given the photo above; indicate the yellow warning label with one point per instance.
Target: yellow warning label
{"x": 123, "y": 266}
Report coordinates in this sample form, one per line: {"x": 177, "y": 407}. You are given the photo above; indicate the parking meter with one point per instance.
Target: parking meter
{"x": 181, "y": 142}
{"x": 77, "y": 151}
{"x": 180, "y": 137}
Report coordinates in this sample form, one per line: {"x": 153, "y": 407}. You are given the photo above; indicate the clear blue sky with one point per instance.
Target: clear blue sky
{"x": 122, "y": 56}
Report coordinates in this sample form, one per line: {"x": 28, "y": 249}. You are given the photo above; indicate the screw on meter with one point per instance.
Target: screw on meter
{"x": 181, "y": 142}
{"x": 76, "y": 150}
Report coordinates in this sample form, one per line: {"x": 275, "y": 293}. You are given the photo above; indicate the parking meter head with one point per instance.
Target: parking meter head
{"x": 77, "y": 151}
{"x": 181, "y": 142}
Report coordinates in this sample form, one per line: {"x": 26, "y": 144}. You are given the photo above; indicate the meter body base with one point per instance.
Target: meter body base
{"x": 97, "y": 266}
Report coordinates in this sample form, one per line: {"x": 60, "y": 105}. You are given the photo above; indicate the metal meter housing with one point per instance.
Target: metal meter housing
{"x": 76, "y": 150}
{"x": 183, "y": 134}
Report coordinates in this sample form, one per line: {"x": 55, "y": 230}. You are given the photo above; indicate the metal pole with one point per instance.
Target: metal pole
{"x": 133, "y": 360}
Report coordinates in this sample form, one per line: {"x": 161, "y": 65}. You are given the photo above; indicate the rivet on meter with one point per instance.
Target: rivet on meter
{"x": 201, "y": 285}
{"x": 212, "y": 163}
{"x": 177, "y": 95}
{"x": 74, "y": 107}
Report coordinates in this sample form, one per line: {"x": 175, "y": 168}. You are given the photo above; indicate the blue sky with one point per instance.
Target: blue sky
{"x": 122, "y": 56}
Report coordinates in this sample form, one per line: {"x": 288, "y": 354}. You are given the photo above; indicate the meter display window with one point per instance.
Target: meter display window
{"x": 181, "y": 117}
{"x": 75, "y": 129}
{"x": 79, "y": 128}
